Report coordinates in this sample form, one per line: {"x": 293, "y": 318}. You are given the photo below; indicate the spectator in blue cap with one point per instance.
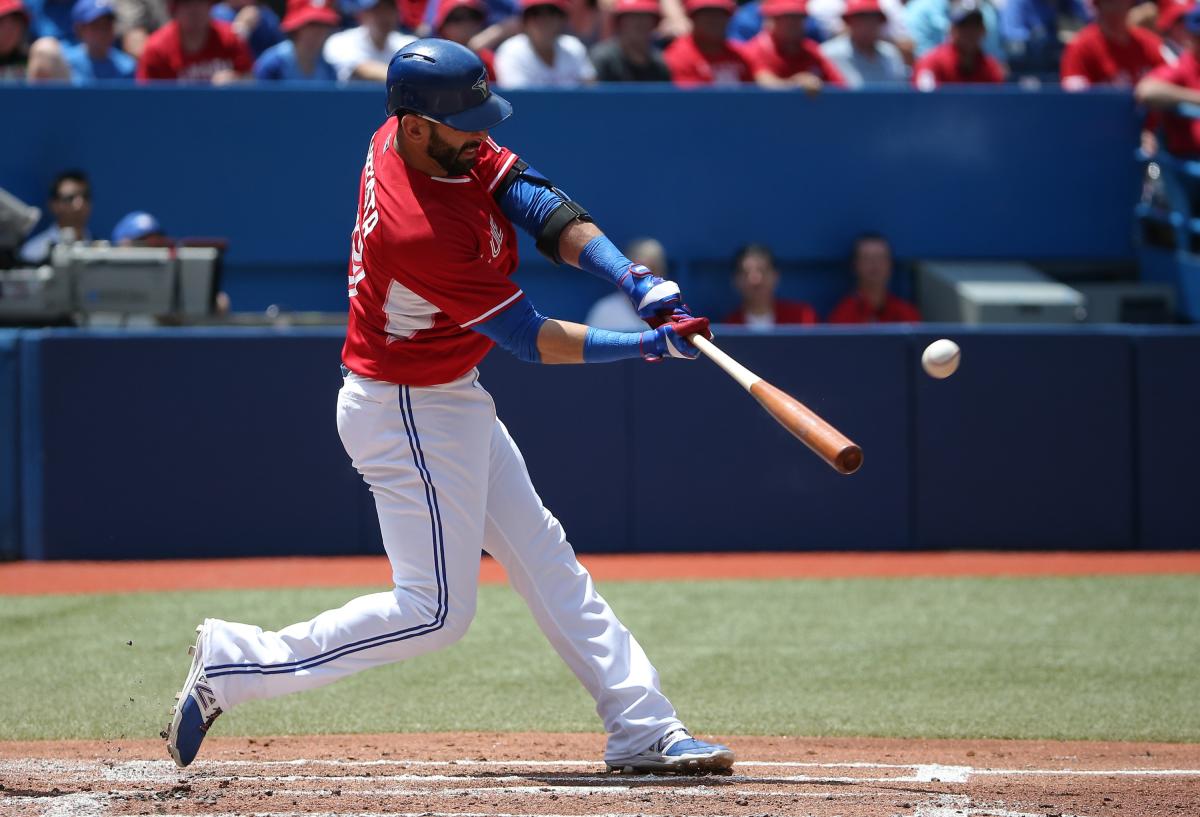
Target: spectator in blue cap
{"x": 95, "y": 55}
{"x": 308, "y": 24}
{"x": 138, "y": 227}
{"x": 257, "y": 25}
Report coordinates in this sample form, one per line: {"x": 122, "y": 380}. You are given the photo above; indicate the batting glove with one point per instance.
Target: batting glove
{"x": 648, "y": 293}
{"x": 670, "y": 339}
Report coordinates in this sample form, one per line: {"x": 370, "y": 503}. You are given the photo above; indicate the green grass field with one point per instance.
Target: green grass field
{"x": 1068, "y": 658}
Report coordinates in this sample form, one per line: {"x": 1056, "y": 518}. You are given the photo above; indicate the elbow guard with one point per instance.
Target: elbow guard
{"x": 559, "y": 218}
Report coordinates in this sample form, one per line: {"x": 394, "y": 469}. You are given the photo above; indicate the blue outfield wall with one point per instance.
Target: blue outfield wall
{"x": 10, "y": 538}
{"x": 191, "y": 443}
{"x": 964, "y": 173}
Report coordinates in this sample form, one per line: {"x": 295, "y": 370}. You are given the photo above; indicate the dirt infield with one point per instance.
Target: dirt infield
{"x": 546, "y": 774}
{"x": 35, "y": 578}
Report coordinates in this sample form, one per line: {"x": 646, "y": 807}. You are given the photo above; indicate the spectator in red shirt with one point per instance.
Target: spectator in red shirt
{"x": 783, "y": 56}
{"x": 871, "y": 302}
{"x": 192, "y": 47}
{"x": 1109, "y": 51}
{"x": 14, "y": 26}
{"x": 1169, "y": 85}
{"x": 961, "y": 59}
{"x": 461, "y": 20}
{"x": 707, "y": 56}
{"x": 756, "y": 279}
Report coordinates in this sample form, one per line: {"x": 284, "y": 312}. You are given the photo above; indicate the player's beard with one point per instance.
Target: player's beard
{"x": 449, "y": 157}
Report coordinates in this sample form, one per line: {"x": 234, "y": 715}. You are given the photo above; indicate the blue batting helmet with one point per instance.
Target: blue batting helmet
{"x": 446, "y": 82}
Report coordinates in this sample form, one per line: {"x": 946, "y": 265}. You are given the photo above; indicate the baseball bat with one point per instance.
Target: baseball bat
{"x": 805, "y": 425}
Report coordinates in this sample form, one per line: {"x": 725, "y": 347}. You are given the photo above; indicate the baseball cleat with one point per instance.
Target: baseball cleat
{"x": 196, "y": 711}
{"x": 677, "y": 753}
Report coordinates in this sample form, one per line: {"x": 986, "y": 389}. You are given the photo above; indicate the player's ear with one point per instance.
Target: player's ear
{"x": 412, "y": 127}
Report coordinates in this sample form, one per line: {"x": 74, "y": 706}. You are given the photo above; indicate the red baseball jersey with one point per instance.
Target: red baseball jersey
{"x": 691, "y": 67}
{"x": 1182, "y": 134}
{"x": 764, "y": 55}
{"x": 941, "y": 66}
{"x": 163, "y": 56}
{"x": 855, "y": 309}
{"x": 1093, "y": 59}
{"x": 430, "y": 257}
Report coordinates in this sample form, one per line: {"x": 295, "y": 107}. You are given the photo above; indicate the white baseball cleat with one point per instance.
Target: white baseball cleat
{"x": 677, "y": 753}
{"x": 196, "y": 710}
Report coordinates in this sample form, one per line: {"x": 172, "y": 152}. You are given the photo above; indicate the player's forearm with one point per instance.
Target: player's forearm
{"x": 1157, "y": 93}
{"x": 575, "y": 237}
{"x": 370, "y": 70}
{"x": 561, "y": 341}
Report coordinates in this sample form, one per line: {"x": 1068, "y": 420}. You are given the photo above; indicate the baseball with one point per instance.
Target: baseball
{"x": 941, "y": 358}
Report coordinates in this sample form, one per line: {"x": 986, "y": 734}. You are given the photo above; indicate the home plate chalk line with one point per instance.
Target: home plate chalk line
{"x": 443, "y": 780}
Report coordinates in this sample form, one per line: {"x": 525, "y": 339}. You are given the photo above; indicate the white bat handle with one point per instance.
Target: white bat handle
{"x": 737, "y": 371}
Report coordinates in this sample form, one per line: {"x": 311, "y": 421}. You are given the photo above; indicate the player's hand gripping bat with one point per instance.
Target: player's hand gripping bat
{"x": 826, "y": 441}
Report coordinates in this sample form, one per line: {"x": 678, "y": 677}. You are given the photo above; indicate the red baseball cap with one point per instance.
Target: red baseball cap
{"x": 562, "y": 5}
{"x": 693, "y": 6}
{"x": 8, "y": 7}
{"x": 776, "y": 8}
{"x": 862, "y": 7}
{"x": 637, "y": 7}
{"x": 447, "y": 7}
{"x": 302, "y": 12}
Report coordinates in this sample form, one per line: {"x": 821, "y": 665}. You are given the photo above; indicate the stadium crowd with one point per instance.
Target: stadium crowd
{"x": 783, "y": 44}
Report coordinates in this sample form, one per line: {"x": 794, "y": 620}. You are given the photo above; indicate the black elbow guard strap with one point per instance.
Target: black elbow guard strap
{"x": 552, "y": 229}
{"x": 558, "y": 220}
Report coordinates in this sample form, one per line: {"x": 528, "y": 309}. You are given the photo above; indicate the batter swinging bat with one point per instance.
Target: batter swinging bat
{"x": 826, "y": 441}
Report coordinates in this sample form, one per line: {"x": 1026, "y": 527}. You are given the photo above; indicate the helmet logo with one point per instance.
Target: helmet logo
{"x": 481, "y": 85}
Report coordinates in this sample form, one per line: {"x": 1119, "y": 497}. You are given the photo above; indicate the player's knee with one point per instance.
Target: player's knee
{"x": 458, "y": 621}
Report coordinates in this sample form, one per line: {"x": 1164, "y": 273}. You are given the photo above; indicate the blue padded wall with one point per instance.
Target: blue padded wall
{"x": 1029, "y": 444}
{"x": 10, "y": 547}
{"x": 1168, "y": 437}
{"x": 184, "y": 444}
{"x": 217, "y": 443}
{"x": 714, "y": 468}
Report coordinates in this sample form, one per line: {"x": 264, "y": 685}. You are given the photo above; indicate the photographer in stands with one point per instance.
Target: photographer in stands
{"x": 71, "y": 205}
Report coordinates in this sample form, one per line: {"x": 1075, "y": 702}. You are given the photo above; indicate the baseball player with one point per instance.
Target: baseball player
{"x": 432, "y": 253}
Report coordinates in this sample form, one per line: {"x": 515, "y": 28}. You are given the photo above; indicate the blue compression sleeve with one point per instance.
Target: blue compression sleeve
{"x": 603, "y": 346}
{"x": 601, "y": 258}
{"x": 515, "y": 329}
{"x": 528, "y": 205}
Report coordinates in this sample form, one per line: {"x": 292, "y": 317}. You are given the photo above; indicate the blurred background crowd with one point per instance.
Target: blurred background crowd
{"x": 784, "y": 44}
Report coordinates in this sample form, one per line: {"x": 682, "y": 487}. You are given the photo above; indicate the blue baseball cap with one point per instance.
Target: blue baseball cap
{"x": 135, "y": 226}
{"x": 86, "y": 11}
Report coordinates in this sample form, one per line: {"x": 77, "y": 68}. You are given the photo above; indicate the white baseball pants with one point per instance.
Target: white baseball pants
{"x": 448, "y": 481}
